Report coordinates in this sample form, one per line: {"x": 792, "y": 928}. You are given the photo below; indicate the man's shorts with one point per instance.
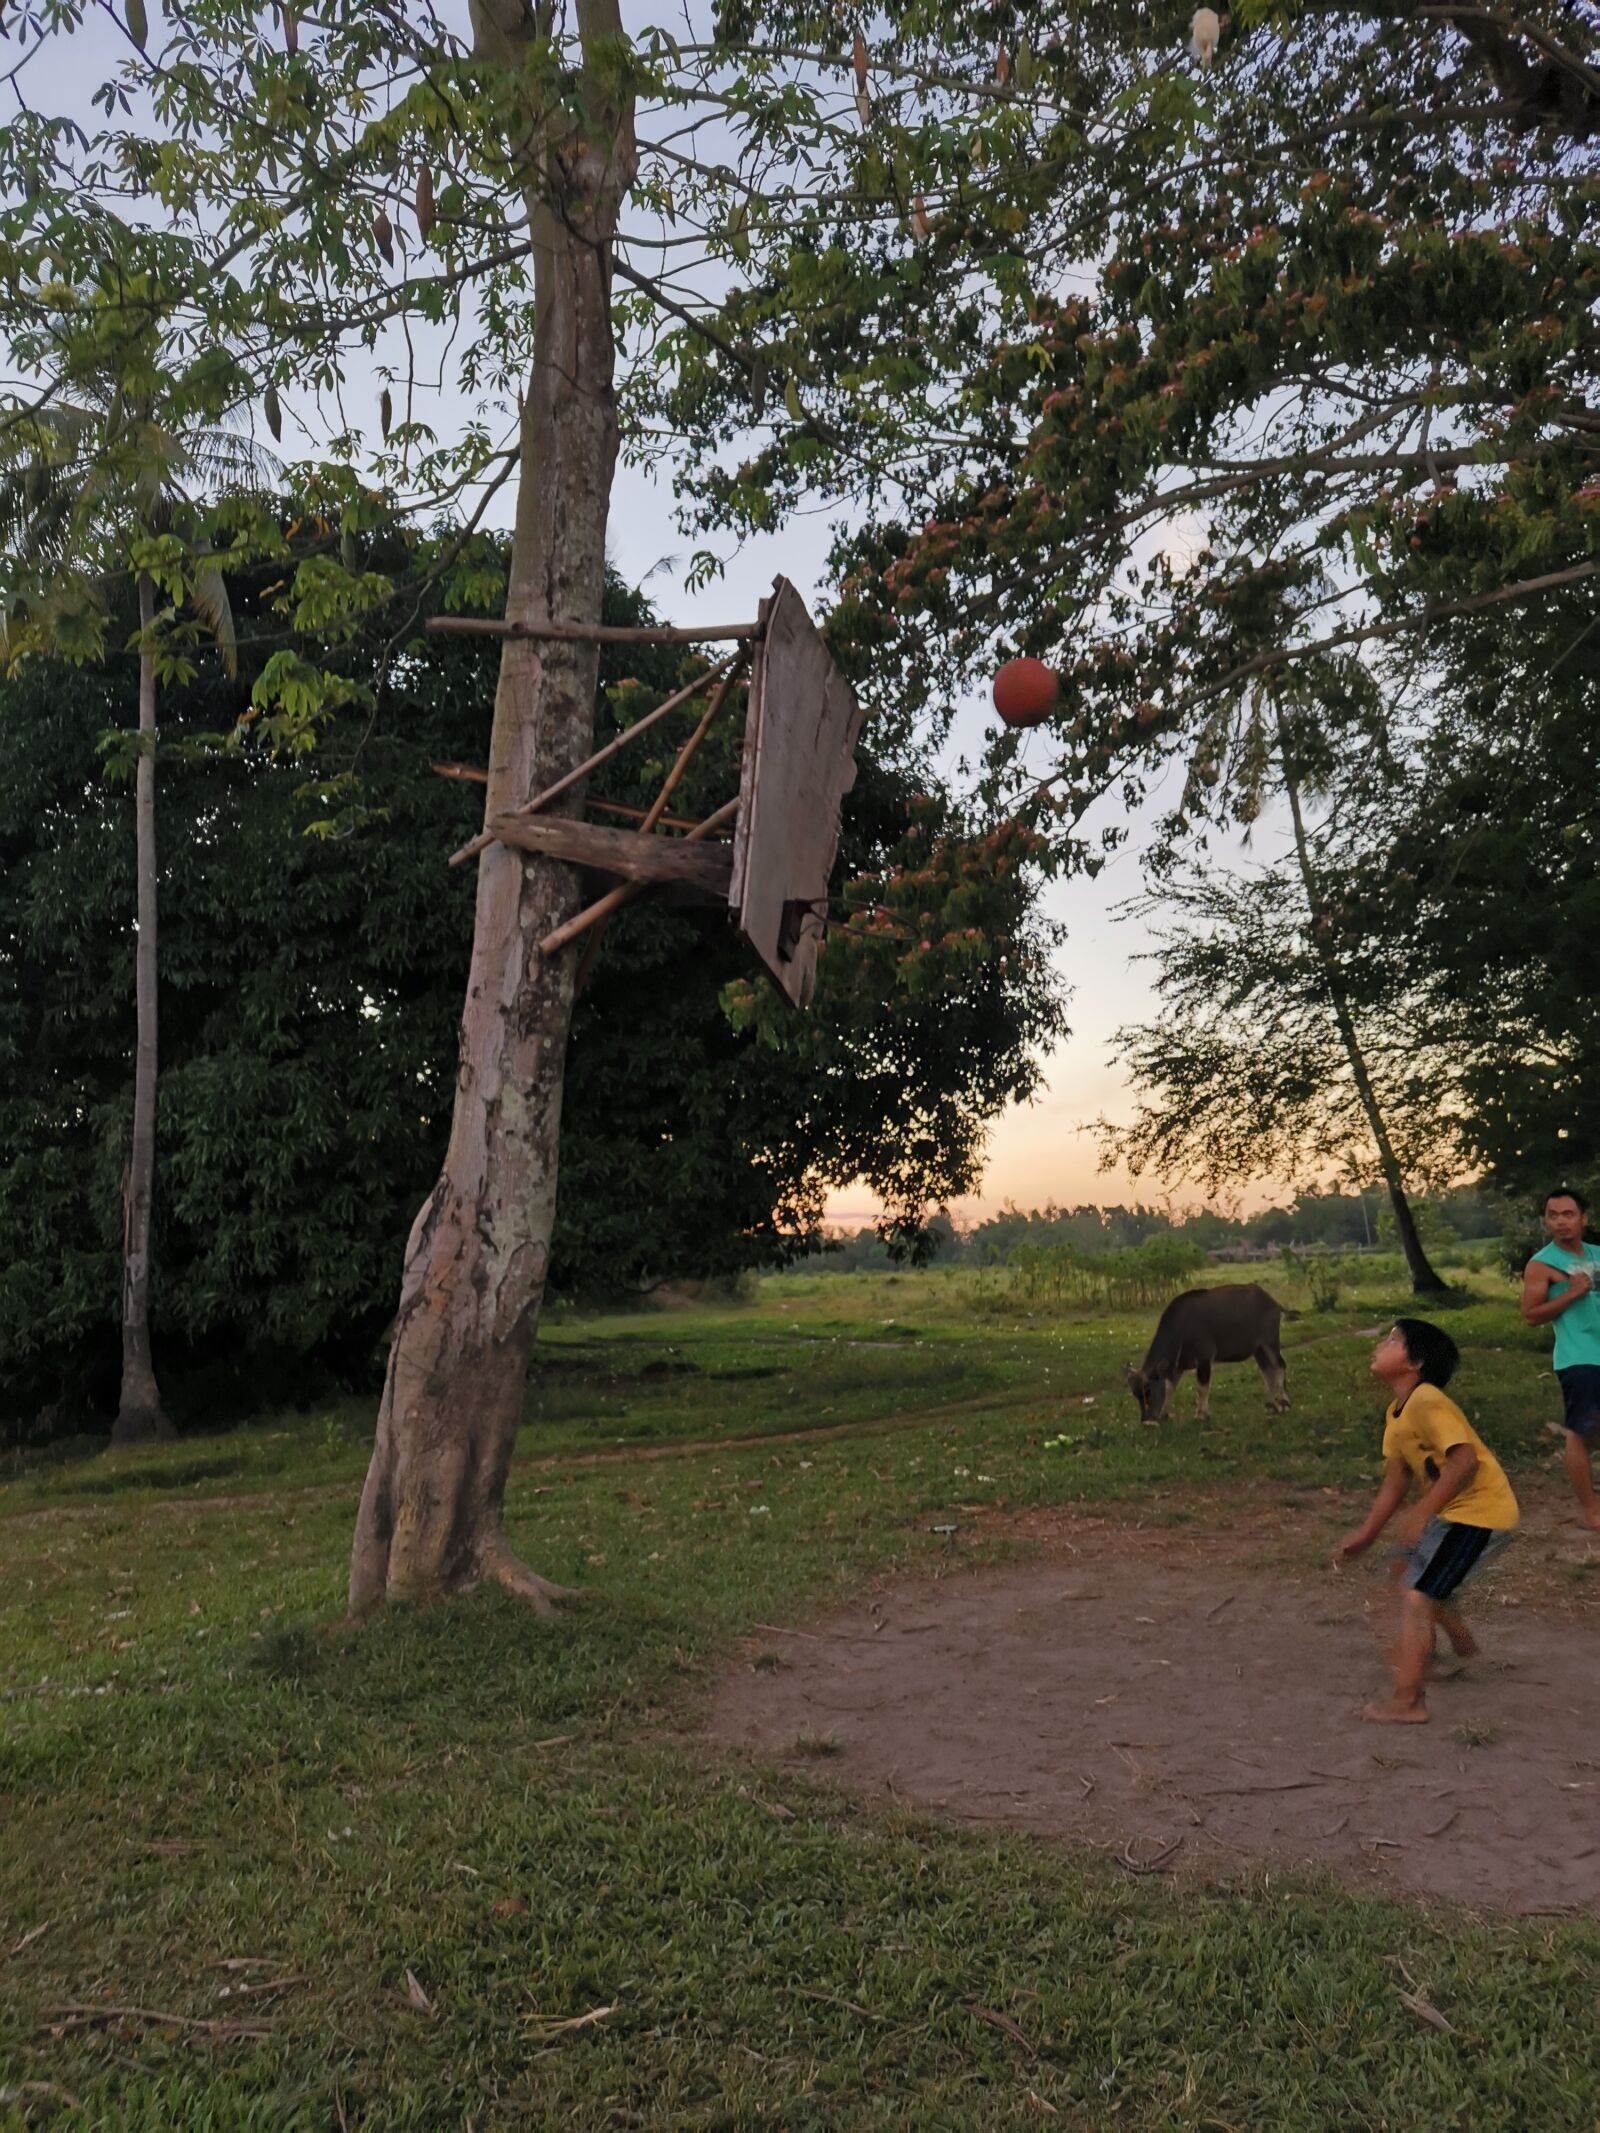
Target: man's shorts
{"x": 1580, "y": 1396}
{"x": 1448, "y": 1554}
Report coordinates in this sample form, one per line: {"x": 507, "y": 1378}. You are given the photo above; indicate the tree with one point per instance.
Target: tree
{"x": 96, "y": 491}
{"x": 1285, "y": 1045}
{"x": 1476, "y": 873}
{"x": 1341, "y": 1004}
{"x": 312, "y": 988}
{"x": 1334, "y": 389}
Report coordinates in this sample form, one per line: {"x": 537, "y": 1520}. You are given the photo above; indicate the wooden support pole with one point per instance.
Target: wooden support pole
{"x": 471, "y": 849}
{"x": 471, "y": 774}
{"x": 658, "y": 805}
{"x": 587, "y": 632}
{"x": 692, "y": 863}
{"x": 614, "y": 899}
{"x": 637, "y": 814}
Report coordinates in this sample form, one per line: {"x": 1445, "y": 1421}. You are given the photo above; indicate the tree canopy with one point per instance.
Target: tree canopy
{"x": 1473, "y": 875}
{"x": 310, "y": 996}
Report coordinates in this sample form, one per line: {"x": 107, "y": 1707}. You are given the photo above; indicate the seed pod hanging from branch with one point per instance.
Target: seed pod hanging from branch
{"x": 426, "y": 215}
{"x": 1204, "y": 32}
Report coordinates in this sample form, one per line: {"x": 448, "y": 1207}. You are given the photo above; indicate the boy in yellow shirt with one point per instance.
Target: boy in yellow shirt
{"x": 1465, "y": 1517}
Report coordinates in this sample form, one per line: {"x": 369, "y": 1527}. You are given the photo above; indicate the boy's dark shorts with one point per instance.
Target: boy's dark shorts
{"x": 1447, "y": 1554}
{"x": 1580, "y": 1396}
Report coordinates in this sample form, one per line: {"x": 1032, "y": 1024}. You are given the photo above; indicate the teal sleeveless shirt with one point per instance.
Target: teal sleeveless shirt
{"x": 1577, "y": 1330}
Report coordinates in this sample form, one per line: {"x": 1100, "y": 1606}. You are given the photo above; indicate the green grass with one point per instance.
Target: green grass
{"x": 518, "y": 1814}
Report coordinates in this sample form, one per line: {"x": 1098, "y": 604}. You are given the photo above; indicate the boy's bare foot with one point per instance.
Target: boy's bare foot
{"x": 1590, "y": 1518}
{"x": 1438, "y": 1669}
{"x": 1398, "y": 1711}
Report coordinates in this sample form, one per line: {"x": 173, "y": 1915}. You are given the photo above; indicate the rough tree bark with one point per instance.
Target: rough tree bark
{"x": 139, "y": 1410}
{"x": 1425, "y": 1281}
{"x": 475, "y": 1265}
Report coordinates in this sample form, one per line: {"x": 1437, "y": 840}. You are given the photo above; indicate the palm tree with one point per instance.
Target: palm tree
{"x": 88, "y": 479}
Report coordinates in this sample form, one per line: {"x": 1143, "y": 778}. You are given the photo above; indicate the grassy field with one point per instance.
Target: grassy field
{"x": 245, "y": 1833}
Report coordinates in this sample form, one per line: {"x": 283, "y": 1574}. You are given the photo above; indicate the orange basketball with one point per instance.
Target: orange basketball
{"x": 1026, "y": 691}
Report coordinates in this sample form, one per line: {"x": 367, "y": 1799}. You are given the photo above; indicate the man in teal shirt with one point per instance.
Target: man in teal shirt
{"x": 1559, "y": 1288}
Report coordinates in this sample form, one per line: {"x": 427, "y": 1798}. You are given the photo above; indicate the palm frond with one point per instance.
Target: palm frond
{"x": 103, "y": 458}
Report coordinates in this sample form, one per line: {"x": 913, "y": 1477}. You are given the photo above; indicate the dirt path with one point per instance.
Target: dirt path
{"x": 1156, "y": 1696}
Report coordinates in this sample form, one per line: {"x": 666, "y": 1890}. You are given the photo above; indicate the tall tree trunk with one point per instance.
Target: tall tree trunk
{"x": 139, "y": 1411}
{"x": 430, "y": 1516}
{"x": 1424, "y": 1280}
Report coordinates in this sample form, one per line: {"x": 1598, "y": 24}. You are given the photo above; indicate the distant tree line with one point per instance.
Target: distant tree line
{"x": 1328, "y": 1220}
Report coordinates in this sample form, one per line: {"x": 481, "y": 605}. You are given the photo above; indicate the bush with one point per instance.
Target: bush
{"x": 1325, "y": 1278}
{"x": 1126, "y": 1280}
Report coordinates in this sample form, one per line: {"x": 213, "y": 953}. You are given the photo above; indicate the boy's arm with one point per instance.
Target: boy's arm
{"x": 1391, "y": 1495}
{"x": 1539, "y": 1307}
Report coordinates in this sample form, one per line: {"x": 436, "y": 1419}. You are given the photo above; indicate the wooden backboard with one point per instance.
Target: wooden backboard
{"x": 799, "y": 762}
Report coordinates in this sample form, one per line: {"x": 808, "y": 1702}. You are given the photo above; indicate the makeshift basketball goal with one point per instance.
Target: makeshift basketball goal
{"x": 767, "y": 854}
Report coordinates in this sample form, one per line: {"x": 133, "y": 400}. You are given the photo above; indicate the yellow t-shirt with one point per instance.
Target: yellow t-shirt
{"x": 1420, "y": 1432}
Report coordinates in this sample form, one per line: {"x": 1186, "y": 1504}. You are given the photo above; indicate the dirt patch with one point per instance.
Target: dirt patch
{"x": 1150, "y": 1692}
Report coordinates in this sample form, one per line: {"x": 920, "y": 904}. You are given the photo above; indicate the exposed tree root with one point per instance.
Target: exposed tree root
{"x": 507, "y": 1569}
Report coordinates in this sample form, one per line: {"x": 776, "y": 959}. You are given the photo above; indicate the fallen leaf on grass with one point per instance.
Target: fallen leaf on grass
{"x": 41, "y": 2088}
{"x": 508, "y": 1907}
{"x": 1003, "y": 2023}
{"x": 775, "y": 1808}
{"x": 1153, "y": 1865}
{"x": 810, "y": 1992}
{"x": 415, "y": 1996}
{"x": 1040, "y": 2104}
{"x": 271, "y": 1984}
{"x": 555, "y": 2025}
{"x": 73, "y": 2013}
{"x": 1425, "y": 2011}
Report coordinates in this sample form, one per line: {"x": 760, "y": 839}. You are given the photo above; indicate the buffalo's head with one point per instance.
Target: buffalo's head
{"x": 1152, "y": 1389}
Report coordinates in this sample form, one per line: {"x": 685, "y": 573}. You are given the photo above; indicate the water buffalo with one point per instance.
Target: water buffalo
{"x": 1206, "y": 1326}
